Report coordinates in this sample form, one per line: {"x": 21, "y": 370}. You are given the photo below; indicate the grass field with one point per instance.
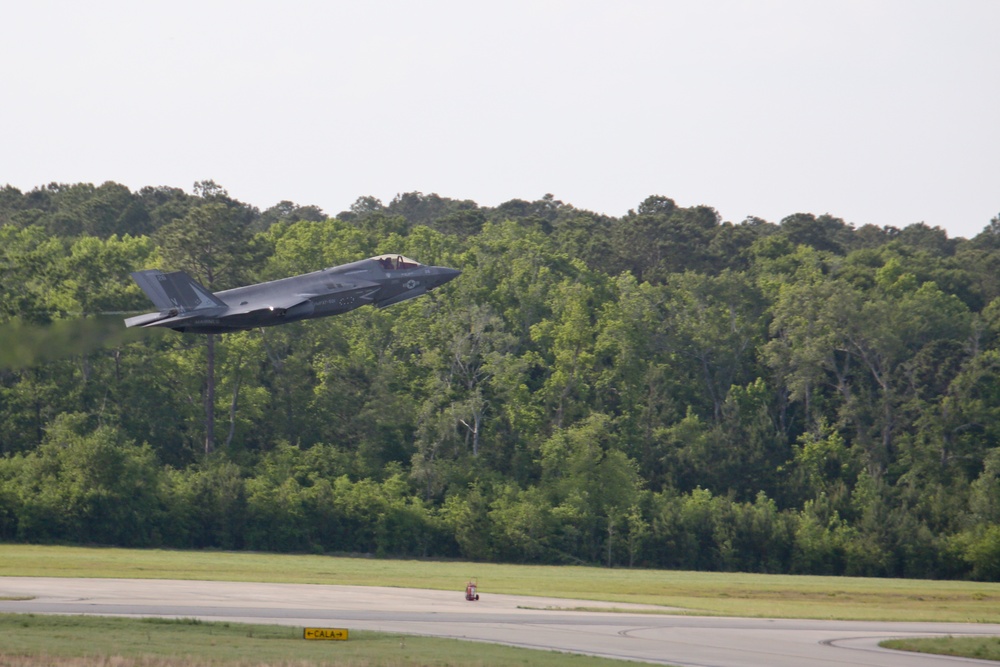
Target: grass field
{"x": 751, "y": 595}
{"x": 982, "y": 648}
{"x": 88, "y": 641}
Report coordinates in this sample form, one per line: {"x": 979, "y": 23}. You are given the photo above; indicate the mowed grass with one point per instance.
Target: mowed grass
{"x": 28, "y": 640}
{"x": 708, "y": 593}
{"x": 983, "y": 648}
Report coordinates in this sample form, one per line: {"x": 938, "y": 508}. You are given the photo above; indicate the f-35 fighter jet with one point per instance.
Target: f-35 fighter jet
{"x": 188, "y": 307}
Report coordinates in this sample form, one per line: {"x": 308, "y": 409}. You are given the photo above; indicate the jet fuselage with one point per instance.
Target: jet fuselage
{"x": 188, "y": 307}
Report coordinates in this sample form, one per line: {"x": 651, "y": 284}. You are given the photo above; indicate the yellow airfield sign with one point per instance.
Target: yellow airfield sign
{"x": 325, "y": 633}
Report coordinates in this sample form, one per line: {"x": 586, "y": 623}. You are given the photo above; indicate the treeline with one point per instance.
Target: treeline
{"x": 660, "y": 389}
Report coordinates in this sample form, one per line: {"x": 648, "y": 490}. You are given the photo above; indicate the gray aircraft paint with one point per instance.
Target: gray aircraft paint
{"x": 188, "y": 307}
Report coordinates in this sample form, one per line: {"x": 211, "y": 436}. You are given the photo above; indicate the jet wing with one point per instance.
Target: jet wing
{"x": 260, "y": 305}
{"x": 264, "y": 301}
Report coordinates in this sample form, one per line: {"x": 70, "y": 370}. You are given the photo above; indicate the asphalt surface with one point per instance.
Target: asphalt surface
{"x": 532, "y": 622}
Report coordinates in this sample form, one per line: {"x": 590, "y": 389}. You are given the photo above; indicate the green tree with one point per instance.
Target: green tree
{"x": 523, "y": 525}
{"x": 592, "y": 485}
{"x": 569, "y": 338}
{"x": 824, "y": 233}
{"x": 89, "y": 485}
{"x": 214, "y": 243}
{"x": 715, "y": 325}
{"x": 207, "y": 504}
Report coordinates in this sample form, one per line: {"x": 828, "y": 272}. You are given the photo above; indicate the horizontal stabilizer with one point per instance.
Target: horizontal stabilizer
{"x": 171, "y": 319}
{"x": 145, "y": 320}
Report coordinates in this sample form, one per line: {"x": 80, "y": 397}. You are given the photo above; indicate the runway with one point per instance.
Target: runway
{"x": 532, "y": 622}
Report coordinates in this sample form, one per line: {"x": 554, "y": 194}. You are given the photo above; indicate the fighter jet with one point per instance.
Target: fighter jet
{"x": 186, "y": 306}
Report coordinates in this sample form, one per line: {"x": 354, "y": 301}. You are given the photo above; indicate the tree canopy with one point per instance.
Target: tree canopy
{"x": 661, "y": 389}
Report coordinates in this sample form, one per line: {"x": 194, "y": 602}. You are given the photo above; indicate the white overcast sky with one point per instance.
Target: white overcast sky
{"x": 876, "y": 111}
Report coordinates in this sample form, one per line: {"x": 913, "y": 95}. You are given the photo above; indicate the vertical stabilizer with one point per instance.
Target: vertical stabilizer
{"x": 175, "y": 291}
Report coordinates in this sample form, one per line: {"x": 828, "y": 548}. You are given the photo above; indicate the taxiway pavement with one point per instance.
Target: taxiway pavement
{"x": 606, "y": 629}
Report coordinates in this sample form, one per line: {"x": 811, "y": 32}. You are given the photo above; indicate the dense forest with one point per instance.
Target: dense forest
{"x": 661, "y": 389}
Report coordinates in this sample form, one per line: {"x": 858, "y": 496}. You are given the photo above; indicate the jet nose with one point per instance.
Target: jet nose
{"x": 444, "y": 274}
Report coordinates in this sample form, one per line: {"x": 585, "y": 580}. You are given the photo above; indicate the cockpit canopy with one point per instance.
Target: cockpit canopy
{"x": 396, "y": 262}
